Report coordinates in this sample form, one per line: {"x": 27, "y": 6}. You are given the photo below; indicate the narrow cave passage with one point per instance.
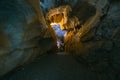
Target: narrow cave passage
{"x": 59, "y": 40}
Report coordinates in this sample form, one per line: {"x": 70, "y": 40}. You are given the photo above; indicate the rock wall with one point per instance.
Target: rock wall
{"x": 95, "y": 45}
{"x": 23, "y": 33}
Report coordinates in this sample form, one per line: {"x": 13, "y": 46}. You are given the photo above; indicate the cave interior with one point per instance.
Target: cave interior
{"x": 60, "y": 40}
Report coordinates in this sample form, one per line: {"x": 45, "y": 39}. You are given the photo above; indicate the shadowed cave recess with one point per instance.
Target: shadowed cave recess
{"x": 59, "y": 39}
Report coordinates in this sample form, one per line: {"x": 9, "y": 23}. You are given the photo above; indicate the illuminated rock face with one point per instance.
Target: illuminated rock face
{"x": 59, "y": 15}
{"x": 61, "y": 23}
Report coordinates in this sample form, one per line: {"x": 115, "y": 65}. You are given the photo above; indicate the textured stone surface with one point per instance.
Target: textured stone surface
{"x": 22, "y": 33}
{"x": 98, "y": 47}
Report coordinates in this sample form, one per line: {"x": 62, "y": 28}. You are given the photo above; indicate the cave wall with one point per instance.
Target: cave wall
{"x": 23, "y": 33}
{"x": 98, "y": 48}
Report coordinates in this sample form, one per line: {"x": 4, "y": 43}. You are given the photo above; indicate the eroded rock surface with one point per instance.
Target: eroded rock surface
{"x": 22, "y": 33}
{"x": 98, "y": 47}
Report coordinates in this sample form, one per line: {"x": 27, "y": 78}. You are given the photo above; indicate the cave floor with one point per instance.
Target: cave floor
{"x": 54, "y": 67}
